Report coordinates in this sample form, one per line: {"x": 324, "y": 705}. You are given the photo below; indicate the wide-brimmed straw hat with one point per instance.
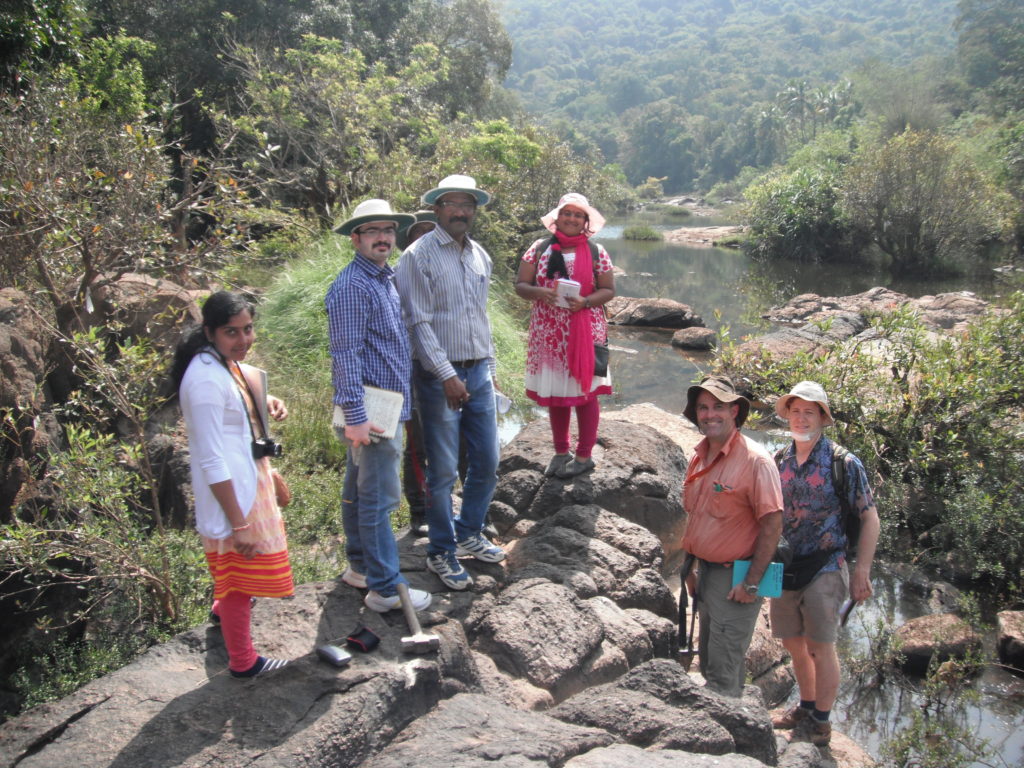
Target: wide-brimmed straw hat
{"x": 576, "y": 200}
{"x": 812, "y": 392}
{"x": 721, "y": 388}
{"x": 374, "y": 210}
{"x": 456, "y": 183}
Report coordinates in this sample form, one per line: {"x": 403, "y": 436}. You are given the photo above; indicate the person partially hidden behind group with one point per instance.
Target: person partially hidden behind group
{"x": 414, "y": 460}
{"x": 560, "y": 357}
{"x": 236, "y": 507}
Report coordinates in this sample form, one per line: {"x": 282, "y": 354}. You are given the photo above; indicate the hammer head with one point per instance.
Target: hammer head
{"x": 421, "y": 642}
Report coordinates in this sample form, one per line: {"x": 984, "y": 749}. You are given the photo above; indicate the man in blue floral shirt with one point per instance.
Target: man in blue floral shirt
{"x": 806, "y": 618}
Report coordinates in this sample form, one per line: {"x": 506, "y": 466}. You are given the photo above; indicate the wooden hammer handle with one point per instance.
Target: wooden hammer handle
{"x": 410, "y": 613}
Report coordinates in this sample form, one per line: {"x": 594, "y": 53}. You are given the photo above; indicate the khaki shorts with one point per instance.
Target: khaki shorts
{"x": 811, "y": 612}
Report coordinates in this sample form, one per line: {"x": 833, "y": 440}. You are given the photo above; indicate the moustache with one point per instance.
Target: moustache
{"x": 380, "y": 243}
{"x": 463, "y": 219}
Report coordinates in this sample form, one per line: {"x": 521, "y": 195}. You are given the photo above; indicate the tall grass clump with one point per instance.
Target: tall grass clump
{"x": 641, "y": 232}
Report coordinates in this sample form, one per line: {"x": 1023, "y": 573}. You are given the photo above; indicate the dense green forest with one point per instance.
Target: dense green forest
{"x": 695, "y": 90}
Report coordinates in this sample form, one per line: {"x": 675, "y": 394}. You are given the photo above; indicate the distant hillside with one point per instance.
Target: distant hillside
{"x": 612, "y": 67}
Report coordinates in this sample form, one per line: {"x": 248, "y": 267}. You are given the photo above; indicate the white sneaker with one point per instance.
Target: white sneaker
{"x": 375, "y": 601}
{"x": 353, "y": 578}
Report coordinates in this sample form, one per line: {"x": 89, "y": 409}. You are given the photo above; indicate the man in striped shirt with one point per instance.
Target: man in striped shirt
{"x": 443, "y": 280}
{"x": 369, "y": 346}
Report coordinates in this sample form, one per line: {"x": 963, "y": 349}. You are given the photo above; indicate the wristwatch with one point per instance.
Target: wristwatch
{"x": 586, "y": 301}
{"x": 750, "y": 589}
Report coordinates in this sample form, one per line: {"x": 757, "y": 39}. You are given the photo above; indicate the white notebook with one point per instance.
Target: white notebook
{"x": 383, "y": 408}
{"x": 565, "y": 287}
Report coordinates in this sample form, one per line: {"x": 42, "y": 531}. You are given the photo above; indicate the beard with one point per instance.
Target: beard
{"x": 805, "y": 437}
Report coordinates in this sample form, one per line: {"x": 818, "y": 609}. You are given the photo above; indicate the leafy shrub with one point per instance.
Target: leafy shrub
{"x": 796, "y": 215}
{"x": 667, "y": 209}
{"x": 651, "y": 189}
{"x": 923, "y": 204}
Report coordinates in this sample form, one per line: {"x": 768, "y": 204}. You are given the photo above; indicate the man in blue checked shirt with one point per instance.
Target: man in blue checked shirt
{"x": 443, "y": 279}
{"x": 369, "y": 346}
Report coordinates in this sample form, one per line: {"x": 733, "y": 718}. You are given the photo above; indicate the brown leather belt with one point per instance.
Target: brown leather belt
{"x": 467, "y": 363}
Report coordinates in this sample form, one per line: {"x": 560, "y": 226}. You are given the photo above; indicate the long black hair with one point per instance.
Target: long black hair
{"x": 218, "y": 310}
{"x": 556, "y": 261}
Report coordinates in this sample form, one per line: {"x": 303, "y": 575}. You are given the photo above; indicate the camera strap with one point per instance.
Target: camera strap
{"x": 241, "y": 381}
{"x": 244, "y": 388}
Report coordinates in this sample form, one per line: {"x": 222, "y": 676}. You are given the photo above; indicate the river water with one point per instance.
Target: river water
{"x": 730, "y": 292}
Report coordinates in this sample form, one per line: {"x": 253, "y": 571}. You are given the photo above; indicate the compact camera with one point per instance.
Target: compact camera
{"x": 264, "y": 446}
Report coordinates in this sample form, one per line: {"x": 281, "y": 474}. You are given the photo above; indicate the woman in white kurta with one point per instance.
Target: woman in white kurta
{"x": 236, "y": 509}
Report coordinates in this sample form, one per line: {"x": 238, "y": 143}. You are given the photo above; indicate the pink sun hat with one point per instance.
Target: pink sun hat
{"x": 576, "y": 200}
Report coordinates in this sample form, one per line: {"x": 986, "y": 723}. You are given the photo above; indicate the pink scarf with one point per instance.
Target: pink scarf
{"x": 581, "y": 335}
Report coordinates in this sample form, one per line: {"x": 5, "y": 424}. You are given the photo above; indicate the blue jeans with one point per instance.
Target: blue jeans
{"x": 477, "y": 422}
{"x": 369, "y": 495}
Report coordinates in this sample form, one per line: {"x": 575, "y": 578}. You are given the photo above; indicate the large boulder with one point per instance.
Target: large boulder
{"x": 657, "y": 313}
{"x": 639, "y": 477}
{"x": 1011, "y": 638}
{"x": 23, "y": 342}
{"x": 703, "y": 339}
{"x": 943, "y": 636}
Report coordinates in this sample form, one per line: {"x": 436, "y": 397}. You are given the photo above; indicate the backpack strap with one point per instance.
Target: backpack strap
{"x": 839, "y": 484}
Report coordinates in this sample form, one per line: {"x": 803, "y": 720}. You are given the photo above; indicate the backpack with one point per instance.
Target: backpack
{"x": 849, "y": 520}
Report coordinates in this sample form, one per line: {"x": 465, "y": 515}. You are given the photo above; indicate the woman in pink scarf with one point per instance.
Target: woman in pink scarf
{"x": 569, "y": 280}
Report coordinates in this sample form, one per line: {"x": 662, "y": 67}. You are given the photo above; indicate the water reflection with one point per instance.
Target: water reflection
{"x": 873, "y": 711}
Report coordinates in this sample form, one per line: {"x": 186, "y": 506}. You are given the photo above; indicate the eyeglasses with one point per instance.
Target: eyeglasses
{"x": 374, "y": 231}
{"x": 453, "y": 205}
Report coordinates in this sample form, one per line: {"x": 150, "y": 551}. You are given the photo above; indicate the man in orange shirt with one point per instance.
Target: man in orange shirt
{"x": 733, "y": 500}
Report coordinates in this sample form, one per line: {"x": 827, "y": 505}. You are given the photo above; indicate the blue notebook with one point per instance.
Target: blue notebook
{"x": 771, "y": 582}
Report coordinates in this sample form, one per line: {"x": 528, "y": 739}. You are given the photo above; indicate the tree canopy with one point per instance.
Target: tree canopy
{"x": 729, "y": 75}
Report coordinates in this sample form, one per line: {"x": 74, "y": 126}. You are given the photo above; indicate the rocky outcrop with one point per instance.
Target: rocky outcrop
{"x": 825, "y": 321}
{"x": 579, "y": 621}
{"x": 705, "y": 237}
{"x": 1010, "y": 643}
{"x": 638, "y": 478}
{"x": 658, "y": 706}
{"x": 942, "y": 636}
{"x": 815, "y": 338}
{"x": 23, "y": 342}
{"x": 657, "y": 313}
{"x": 946, "y": 311}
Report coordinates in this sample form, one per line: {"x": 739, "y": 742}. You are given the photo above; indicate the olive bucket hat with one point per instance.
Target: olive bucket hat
{"x": 722, "y": 389}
